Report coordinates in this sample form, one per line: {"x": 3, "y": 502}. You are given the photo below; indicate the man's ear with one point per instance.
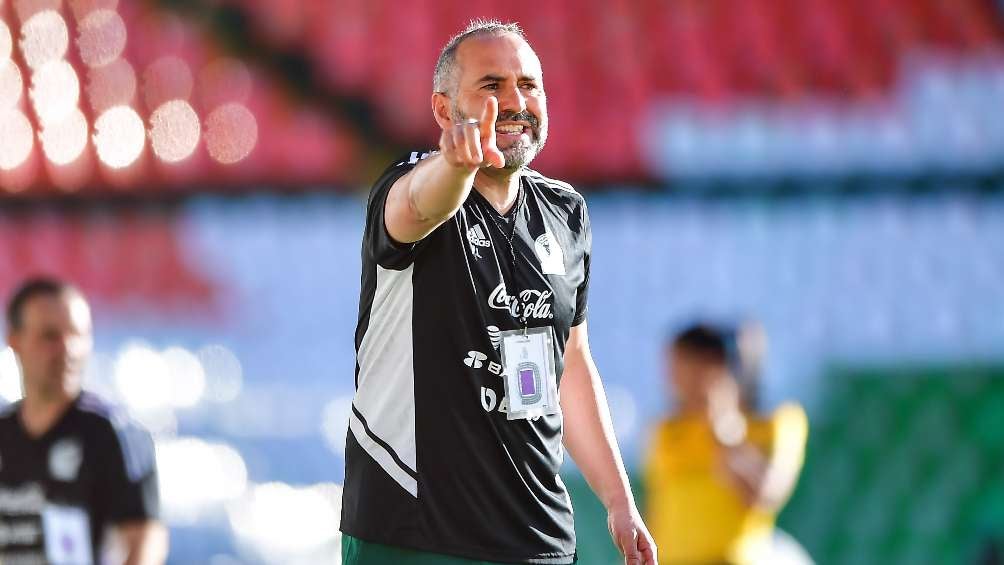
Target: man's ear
{"x": 441, "y": 109}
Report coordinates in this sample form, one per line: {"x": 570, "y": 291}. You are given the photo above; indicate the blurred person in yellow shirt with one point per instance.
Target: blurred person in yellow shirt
{"x": 718, "y": 471}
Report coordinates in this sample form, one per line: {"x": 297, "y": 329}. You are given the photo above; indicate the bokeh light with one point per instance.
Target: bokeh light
{"x": 55, "y": 91}
{"x": 18, "y": 138}
{"x": 224, "y": 80}
{"x": 113, "y": 84}
{"x": 196, "y": 475}
{"x": 224, "y": 373}
{"x": 10, "y": 376}
{"x": 174, "y": 130}
{"x": 142, "y": 378}
{"x": 186, "y": 375}
{"x": 65, "y": 140}
{"x": 283, "y": 522}
{"x": 167, "y": 78}
{"x": 102, "y": 37}
{"x": 119, "y": 136}
{"x": 44, "y": 38}
{"x": 11, "y": 84}
{"x": 150, "y": 381}
{"x": 6, "y": 41}
{"x": 231, "y": 133}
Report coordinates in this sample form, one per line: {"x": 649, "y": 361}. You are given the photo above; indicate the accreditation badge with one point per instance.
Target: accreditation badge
{"x": 67, "y": 535}
{"x": 528, "y": 367}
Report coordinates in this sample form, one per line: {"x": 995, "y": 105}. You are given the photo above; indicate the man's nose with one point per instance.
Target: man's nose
{"x": 511, "y": 100}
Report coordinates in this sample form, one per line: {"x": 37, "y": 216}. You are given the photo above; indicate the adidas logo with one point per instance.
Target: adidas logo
{"x": 477, "y": 237}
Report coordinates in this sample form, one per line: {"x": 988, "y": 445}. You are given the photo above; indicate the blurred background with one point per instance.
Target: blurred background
{"x": 831, "y": 168}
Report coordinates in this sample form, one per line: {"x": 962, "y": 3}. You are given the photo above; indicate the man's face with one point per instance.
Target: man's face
{"x": 53, "y": 344}
{"x": 507, "y": 68}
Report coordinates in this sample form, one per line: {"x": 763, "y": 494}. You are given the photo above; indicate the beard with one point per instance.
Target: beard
{"x": 519, "y": 154}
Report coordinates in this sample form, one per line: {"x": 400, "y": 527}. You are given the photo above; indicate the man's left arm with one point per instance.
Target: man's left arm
{"x": 589, "y": 439}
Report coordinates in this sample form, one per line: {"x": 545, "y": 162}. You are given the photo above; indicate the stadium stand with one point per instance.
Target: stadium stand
{"x": 121, "y": 259}
{"x": 364, "y": 70}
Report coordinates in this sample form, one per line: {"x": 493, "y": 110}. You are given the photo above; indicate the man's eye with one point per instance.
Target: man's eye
{"x": 492, "y": 86}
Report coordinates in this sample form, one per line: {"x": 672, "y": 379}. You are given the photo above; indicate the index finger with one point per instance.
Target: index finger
{"x": 489, "y": 114}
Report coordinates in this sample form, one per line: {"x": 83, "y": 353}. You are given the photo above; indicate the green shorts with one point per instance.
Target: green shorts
{"x": 358, "y": 552}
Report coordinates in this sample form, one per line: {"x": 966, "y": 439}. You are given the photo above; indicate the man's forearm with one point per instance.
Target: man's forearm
{"x": 438, "y": 189}
{"x": 422, "y": 200}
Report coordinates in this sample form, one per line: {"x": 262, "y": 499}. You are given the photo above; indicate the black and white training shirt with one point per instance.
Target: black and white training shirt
{"x": 432, "y": 461}
{"x": 61, "y": 491}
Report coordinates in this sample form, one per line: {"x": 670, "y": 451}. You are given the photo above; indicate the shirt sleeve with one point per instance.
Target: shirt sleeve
{"x": 128, "y": 487}
{"x": 582, "y": 292}
{"x": 377, "y": 243}
{"x": 790, "y": 427}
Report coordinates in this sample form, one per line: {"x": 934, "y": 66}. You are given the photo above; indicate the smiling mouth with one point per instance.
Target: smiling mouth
{"x": 511, "y": 129}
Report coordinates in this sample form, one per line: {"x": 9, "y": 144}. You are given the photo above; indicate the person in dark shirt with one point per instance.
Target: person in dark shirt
{"x": 78, "y": 479}
{"x": 473, "y": 371}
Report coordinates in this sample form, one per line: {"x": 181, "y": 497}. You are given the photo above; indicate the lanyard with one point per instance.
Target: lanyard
{"x": 491, "y": 213}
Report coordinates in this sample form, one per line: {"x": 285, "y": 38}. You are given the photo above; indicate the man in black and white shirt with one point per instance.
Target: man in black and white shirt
{"x": 473, "y": 365}
{"x": 78, "y": 481}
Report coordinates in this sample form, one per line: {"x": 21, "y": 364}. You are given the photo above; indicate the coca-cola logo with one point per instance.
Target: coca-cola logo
{"x": 530, "y": 303}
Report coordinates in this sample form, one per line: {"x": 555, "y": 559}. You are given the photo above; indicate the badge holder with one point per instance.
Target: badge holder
{"x": 67, "y": 535}
{"x": 530, "y": 379}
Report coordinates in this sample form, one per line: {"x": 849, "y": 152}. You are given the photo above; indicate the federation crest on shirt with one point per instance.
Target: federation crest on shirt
{"x": 65, "y": 457}
{"x": 552, "y": 258}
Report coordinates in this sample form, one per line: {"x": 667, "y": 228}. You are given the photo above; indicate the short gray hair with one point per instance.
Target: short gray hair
{"x": 444, "y": 78}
